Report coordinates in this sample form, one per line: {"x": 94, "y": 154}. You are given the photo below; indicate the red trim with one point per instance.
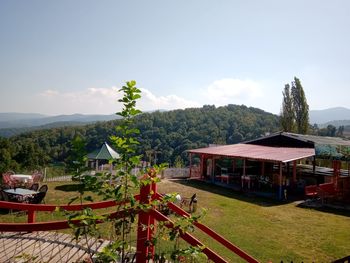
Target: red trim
{"x": 31, "y": 208}
{"x": 212, "y": 234}
{"x": 189, "y": 238}
{"x": 146, "y": 218}
{"x": 51, "y": 208}
{"x": 143, "y": 227}
{"x": 53, "y": 225}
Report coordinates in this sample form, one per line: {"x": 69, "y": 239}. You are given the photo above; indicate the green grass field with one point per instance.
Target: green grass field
{"x": 266, "y": 229}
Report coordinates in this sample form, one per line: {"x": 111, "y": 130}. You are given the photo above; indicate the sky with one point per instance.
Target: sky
{"x": 70, "y": 56}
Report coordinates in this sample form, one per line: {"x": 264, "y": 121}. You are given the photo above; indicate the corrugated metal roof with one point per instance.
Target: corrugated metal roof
{"x": 323, "y": 140}
{"x": 104, "y": 153}
{"x": 258, "y": 152}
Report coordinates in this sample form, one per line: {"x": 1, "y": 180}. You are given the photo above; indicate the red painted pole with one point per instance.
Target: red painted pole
{"x": 152, "y": 222}
{"x": 143, "y": 227}
{"x": 31, "y": 216}
{"x": 201, "y": 168}
{"x": 190, "y": 165}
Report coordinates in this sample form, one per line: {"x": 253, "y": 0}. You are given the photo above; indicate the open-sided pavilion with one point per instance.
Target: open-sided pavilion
{"x": 268, "y": 161}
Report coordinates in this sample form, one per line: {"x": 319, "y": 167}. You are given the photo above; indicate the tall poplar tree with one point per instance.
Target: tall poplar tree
{"x": 287, "y": 112}
{"x": 300, "y": 106}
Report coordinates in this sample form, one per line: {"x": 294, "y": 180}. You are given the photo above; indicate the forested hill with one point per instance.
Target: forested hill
{"x": 164, "y": 134}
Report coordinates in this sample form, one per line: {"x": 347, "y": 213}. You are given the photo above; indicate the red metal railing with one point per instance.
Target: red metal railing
{"x": 146, "y": 218}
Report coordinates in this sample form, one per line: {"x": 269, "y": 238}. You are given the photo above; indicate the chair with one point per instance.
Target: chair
{"x": 8, "y": 198}
{"x": 191, "y": 202}
{"x": 36, "y": 177}
{"x": 38, "y": 198}
{"x": 43, "y": 188}
{"x": 311, "y": 191}
{"x": 4, "y": 196}
{"x": 34, "y": 187}
{"x": 7, "y": 179}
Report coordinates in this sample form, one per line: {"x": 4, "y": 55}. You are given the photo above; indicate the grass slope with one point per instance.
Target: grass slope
{"x": 266, "y": 229}
{"x": 269, "y": 230}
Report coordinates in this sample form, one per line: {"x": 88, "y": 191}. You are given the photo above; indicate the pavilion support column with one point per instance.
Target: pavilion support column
{"x": 205, "y": 167}
{"x": 294, "y": 173}
{"x": 336, "y": 171}
{"x": 201, "y": 167}
{"x": 244, "y": 167}
{"x": 190, "y": 156}
{"x": 280, "y": 182}
{"x": 213, "y": 170}
{"x": 243, "y": 177}
{"x": 96, "y": 168}
{"x": 262, "y": 168}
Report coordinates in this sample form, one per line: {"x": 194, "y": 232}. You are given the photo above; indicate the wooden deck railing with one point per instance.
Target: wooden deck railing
{"x": 146, "y": 218}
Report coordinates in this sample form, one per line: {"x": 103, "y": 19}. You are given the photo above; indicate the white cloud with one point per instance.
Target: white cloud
{"x": 102, "y": 101}
{"x": 49, "y": 93}
{"x": 91, "y": 100}
{"x": 233, "y": 91}
{"x": 169, "y": 102}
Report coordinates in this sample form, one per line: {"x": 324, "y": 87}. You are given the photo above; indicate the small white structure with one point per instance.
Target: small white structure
{"x": 99, "y": 159}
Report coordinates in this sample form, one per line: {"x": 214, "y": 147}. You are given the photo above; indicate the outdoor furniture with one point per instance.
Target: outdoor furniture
{"x": 311, "y": 191}
{"x": 22, "y": 179}
{"x": 190, "y": 202}
{"x": 37, "y": 198}
{"x": 19, "y": 194}
{"x": 7, "y": 179}
{"x": 327, "y": 191}
{"x": 223, "y": 178}
{"x": 249, "y": 180}
{"x": 36, "y": 177}
{"x": 34, "y": 187}
{"x": 4, "y": 196}
{"x": 43, "y": 188}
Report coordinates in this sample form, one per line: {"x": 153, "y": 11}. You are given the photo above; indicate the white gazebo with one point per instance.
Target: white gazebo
{"x": 100, "y": 157}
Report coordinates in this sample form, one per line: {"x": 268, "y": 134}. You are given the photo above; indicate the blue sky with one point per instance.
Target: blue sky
{"x": 64, "y": 57}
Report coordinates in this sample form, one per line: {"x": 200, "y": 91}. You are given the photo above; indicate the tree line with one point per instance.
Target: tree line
{"x": 294, "y": 115}
{"x": 164, "y": 136}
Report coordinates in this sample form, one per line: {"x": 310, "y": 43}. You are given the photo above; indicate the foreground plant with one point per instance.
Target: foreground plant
{"x": 121, "y": 185}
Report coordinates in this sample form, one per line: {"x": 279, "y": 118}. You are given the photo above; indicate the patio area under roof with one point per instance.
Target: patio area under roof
{"x": 273, "y": 160}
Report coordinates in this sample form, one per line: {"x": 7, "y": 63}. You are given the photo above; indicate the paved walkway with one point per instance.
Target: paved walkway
{"x": 45, "y": 247}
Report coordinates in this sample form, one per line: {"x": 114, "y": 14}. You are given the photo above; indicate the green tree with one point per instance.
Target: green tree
{"x": 300, "y": 106}
{"x": 287, "y": 112}
{"x": 340, "y": 132}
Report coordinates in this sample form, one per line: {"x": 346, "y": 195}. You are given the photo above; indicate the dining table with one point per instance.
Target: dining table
{"x": 20, "y": 194}
{"x": 22, "y": 177}
{"x": 22, "y": 180}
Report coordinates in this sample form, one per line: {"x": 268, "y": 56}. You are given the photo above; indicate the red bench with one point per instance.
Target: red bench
{"x": 311, "y": 191}
{"x": 329, "y": 191}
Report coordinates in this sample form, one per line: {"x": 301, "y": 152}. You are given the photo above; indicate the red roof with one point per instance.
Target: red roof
{"x": 257, "y": 152}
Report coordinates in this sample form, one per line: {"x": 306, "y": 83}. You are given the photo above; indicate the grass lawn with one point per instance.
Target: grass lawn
{"x": 266, "y": 229}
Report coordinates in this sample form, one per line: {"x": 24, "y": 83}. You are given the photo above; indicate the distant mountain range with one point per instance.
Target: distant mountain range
{"x": 335, "y": 116}
{"x": 15, "y": 123}
{"x": 20, "y": 120}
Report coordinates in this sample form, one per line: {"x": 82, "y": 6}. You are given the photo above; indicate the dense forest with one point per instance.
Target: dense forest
{"x": 164, "y": 136}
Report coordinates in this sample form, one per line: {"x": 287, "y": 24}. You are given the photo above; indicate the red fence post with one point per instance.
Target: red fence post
{"x": 31, "y": 216}
{"x": 152, "y": 220}
{"x": 143, "y": 227}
